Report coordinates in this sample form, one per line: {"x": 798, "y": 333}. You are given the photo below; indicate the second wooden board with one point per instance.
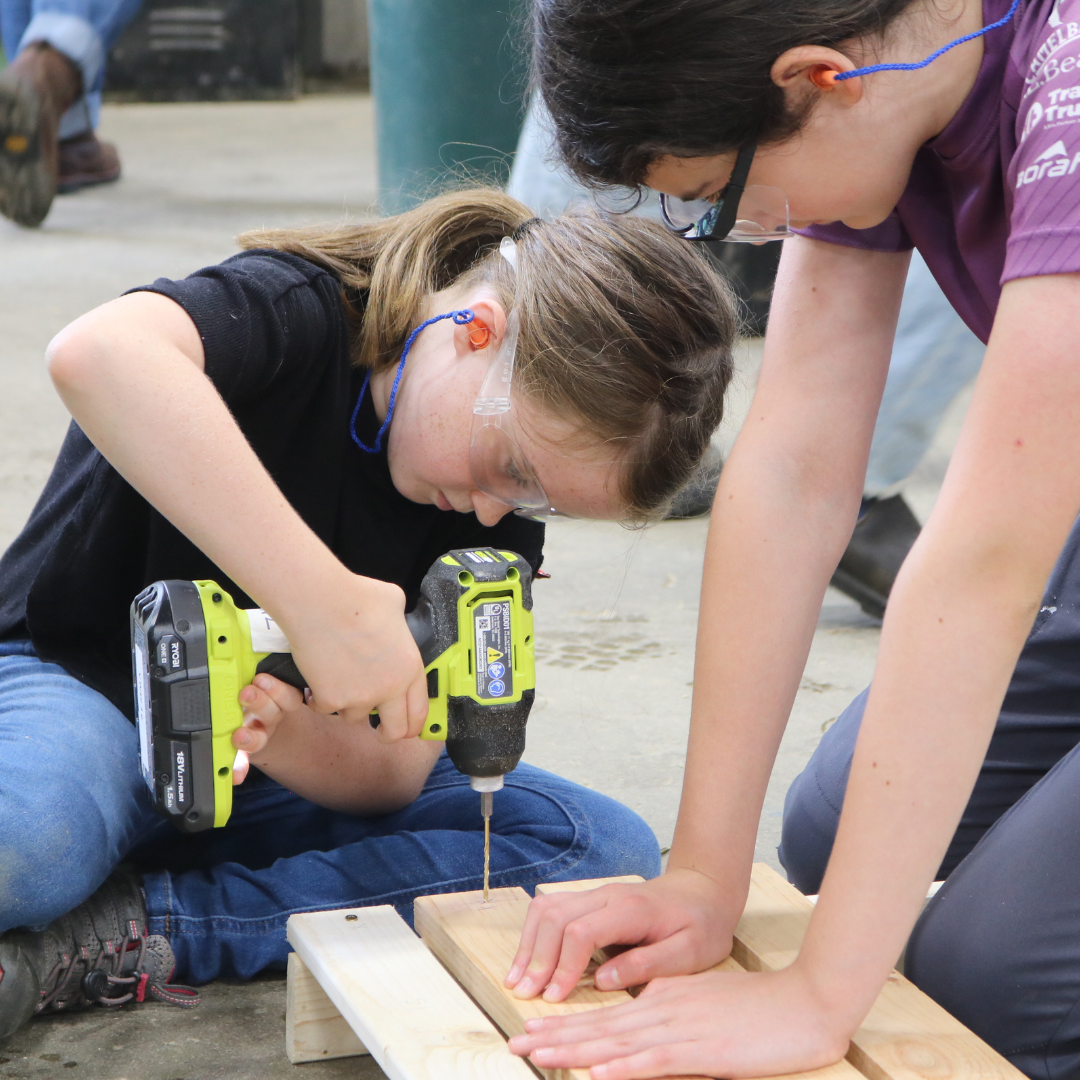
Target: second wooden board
{"x": 907, "y": 1035}
{"x": 405, "y": 1008}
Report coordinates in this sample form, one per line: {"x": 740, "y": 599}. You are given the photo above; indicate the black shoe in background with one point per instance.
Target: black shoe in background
{"x": 882, "y": 538}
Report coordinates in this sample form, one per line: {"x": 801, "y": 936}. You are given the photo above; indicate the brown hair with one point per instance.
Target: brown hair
{"x": 626, "y": 332}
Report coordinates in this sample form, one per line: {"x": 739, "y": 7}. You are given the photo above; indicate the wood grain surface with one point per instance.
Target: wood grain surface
{"x": 477, "y": 943}
{"x": 907, "y": 1035}
{"x": 400, "y": 1001}
{"x": 314, "y": 1029}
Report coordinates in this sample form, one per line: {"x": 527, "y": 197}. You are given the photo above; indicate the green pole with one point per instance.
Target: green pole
{"x": 447, "y": 77}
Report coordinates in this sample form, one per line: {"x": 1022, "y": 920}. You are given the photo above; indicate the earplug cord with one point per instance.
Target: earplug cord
{"x": 461, "y": 318}
{"x": 933, "y": 56}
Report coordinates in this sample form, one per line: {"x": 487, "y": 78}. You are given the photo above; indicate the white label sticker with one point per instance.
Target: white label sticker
{"x": 143, "y": 713}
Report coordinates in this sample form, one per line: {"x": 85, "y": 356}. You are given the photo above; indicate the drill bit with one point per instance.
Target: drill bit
{"x": 486, "y": 800}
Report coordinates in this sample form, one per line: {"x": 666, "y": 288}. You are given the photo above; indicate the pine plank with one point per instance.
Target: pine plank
{"x": 314, "y": 1029}
{"x": 587, "y": 885}
{"x": 402, "y": 1004}
{"x": 906, "y": 1036}
{"x": 477, "y": 943}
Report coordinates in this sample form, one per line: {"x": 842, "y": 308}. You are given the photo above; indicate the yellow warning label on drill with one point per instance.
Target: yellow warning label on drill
{"x": 493, "y": 655}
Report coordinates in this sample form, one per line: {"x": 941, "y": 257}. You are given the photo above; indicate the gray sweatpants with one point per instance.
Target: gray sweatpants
{"x": 999, "y": 946}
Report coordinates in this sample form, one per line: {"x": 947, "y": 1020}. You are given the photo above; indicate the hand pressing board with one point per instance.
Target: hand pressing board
{"x": 477, "y": 943}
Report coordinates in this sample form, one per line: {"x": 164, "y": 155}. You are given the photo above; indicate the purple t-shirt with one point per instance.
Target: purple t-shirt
{"x": 996, "y": 195}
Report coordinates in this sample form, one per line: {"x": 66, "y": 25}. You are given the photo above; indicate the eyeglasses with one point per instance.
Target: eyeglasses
{"x": 738, "y": 215}
{"x": 499, "y": 466}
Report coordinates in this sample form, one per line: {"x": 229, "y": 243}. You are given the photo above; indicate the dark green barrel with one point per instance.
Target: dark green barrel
{"x": 447, "y": 78}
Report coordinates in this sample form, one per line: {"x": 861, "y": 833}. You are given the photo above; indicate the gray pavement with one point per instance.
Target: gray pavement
{"x": 615, "y": 624}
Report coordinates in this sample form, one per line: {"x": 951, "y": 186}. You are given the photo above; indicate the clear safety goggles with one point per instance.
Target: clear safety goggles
{"x": 498, "y": 464}
{"x": 738, "y": 215}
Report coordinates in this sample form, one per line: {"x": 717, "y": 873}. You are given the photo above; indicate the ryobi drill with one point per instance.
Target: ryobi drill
{"x": 193, "y": 651}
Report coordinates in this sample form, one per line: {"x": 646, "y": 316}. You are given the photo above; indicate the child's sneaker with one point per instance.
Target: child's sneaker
{"x": 97, "y": 953}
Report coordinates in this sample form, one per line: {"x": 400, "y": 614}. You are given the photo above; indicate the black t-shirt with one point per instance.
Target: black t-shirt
{"x": 274, "y": 332}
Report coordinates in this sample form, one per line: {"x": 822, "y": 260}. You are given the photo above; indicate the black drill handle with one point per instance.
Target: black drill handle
{"x": 282, "y": 666}
{"x": 422, "y": 628}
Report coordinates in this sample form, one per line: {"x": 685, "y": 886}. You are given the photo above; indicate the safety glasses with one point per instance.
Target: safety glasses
{"x": 498, "y": 464}
{"x": 738, "y": 215}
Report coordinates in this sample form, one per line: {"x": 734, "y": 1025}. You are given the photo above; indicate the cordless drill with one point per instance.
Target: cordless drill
{"x": 193, "y": 651}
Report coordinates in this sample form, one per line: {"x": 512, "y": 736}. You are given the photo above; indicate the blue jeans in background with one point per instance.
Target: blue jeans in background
{"x": 83, "y": 30}
{"x": 73, "y": 805}
{"x": 999, "y": 946}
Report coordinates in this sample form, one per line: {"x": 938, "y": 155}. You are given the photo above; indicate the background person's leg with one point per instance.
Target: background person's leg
{"x": 226, "y": 895}
{"x": 84, "y": 31}
{"x": 14, "y": 19}
{"x": 50, "y": 97}
{"x": 999, "y": 946}
{"x": 72, "y": 800}
{"x": 1039, "y": 724}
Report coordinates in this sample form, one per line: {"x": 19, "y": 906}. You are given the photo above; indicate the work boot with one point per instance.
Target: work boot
{"x": 696, "y": 498}
{"x": 36, "y": 89}
{"x": 97, "y": 953}
{"x": 85, "y": 161}
{"x": 883, "y": 536}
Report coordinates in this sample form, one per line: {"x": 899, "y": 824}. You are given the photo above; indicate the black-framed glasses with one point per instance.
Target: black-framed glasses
{"x": 738, "y": 215}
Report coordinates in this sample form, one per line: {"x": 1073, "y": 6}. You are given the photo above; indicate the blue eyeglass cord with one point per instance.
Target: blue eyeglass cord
{"x": 461, "y": 318}
{"x": 933, "y": 56}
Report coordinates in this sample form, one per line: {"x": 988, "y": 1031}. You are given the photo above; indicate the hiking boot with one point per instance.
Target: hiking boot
{"x": 35, "y": 91}
{"x": 883, "y": 536}
{"x": 696, "y": 498}
{"x": 84, "y": 161}
{"x": 98, "y": 953}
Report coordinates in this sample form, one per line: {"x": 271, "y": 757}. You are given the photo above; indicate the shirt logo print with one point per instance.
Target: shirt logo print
{"x": 1052, "y": 162}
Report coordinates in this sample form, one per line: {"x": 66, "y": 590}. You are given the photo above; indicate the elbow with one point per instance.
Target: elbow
{"x": 71, "y": 359}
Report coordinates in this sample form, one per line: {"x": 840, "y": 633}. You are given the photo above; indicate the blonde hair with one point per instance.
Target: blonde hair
{"x": 626, "y": 332}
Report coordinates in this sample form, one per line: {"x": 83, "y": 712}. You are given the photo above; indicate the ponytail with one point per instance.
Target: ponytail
{"x": 400, "y": 261}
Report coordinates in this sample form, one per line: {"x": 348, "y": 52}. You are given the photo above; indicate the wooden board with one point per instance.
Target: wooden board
{"x": 477, "y": 943}
{"x": 314, "y": 1029}
{"x": 907, "y": 1035}
{"x": 550, "y": 887}
{"x": 402, "y": 1004}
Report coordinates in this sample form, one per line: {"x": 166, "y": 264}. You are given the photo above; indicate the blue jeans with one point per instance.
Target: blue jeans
{"x": 73, "y": 805}
{"x": 83, "y": 30}
{"x": 999, "y": 946}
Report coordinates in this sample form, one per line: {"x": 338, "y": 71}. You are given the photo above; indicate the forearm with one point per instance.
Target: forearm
{"x": 784, "y": 511}
{"x": 749, "y": 662}
{"x": 957, "y": 620}
{"x": 343, "y": 766}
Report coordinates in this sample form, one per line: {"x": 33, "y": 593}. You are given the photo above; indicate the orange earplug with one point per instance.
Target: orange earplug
{"x": 479, "y": 334}
{"x": 823, "y": 77}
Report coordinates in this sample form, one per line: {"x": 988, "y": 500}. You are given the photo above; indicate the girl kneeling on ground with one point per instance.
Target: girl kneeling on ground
{"x": 879, "y": 125}
{"x": 296, "y": 424}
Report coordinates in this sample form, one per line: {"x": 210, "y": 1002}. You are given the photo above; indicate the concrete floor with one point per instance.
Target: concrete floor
{"x": 615, "y": 624}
